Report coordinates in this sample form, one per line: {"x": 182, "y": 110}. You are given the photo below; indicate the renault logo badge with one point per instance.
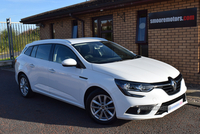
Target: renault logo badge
{"x": 173, "y": 84}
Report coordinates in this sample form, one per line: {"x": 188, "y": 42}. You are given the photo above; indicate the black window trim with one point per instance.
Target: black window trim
{"x": 79, "y": 62}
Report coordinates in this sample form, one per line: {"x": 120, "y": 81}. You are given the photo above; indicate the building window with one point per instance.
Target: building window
{"x": 74, "y": 29}
{"x": 103, "y": 27}
{"x": 95, "y": 29}
{"x": 52, "y": 29}
{"x": 142, "y": 33}
{"x": 141, "y": 36}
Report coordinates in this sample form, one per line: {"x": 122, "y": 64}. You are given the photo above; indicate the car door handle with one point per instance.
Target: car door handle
{"x": 32, "y": 66}
{"x": 83, "y": 77}
{"x": 52, "y": 70}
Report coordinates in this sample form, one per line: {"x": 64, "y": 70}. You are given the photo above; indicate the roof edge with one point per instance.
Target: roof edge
{"x": 86, "y": 7}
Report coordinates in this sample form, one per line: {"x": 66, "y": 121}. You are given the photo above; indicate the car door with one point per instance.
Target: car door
{"x": 65, "y": 82}
{"x": 38, "y": 68}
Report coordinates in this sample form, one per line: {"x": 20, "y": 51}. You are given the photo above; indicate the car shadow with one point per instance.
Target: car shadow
{"x": 45, "y": 110}
{"x": 40, "y": 108}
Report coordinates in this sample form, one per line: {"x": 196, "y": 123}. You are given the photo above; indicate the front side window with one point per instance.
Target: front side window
{"x": 43, "y": 52}
{"x": 61, "y": 53}
{"x": 103, "y": 52}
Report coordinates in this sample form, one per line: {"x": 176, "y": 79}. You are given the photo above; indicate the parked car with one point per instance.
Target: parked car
{"x": 100, "y": 76}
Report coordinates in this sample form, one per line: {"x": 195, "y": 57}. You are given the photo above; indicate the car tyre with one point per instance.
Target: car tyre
{"x": 24, "y": 86}
{"x": 100, "y": 107}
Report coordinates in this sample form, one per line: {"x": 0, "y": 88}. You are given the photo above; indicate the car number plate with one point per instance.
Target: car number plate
{"x": 175, "y": 105}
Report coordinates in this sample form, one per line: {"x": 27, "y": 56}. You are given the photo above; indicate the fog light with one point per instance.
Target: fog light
{"x": 141, "y": 110}
{"x": 138, "y": 111}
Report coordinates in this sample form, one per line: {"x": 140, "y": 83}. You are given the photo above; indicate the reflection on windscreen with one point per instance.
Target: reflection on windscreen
{"x": 103, "y": 52}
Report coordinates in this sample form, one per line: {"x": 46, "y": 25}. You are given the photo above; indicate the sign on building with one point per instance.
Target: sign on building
{"x": 173, "y": 18}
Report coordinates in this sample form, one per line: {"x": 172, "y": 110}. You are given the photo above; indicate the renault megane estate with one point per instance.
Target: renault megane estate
{"x": 100, "y": 76}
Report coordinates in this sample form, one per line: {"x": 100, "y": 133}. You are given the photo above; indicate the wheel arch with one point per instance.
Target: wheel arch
{"x": 19, "y": 74}
{"x": 30, "y": 92}
{"x": 90, "y": 90}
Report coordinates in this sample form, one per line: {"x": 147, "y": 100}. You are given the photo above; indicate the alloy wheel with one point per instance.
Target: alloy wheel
{"x": 24, "y": 86}
{"x": 102, "y": 107}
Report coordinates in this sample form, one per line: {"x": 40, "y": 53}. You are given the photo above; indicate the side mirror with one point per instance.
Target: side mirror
{"x": 69, "y": 63}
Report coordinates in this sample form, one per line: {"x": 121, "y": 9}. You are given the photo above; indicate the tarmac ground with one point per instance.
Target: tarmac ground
{"x": 193, "y": 91}
{"x": 42, "y": 114}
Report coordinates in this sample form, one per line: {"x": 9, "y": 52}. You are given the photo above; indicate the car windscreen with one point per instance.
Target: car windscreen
{"x": 103, "y": 52}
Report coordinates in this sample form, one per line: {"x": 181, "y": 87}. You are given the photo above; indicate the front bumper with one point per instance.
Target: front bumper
{"x": 162, "y": 103}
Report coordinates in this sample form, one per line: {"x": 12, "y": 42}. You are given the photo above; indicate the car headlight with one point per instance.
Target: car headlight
{"x": 127, "y": 86}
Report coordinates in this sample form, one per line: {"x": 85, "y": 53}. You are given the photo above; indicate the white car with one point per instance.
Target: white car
{"x": 100, "y": 76}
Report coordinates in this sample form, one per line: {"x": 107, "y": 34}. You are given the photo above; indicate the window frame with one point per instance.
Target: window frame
{"x": 73, "y": 24}
{"x": 139, "y": 15}
{"x": 99, "y": 30}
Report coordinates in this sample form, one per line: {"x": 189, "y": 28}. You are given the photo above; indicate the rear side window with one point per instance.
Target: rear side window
{"x": 43, "y": 52}
{"x": 34, "y": 51}
{"x": 28, "y": 51}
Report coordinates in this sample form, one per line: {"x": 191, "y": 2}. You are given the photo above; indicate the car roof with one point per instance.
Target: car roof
{"x": 86, "y": 39}
{"x": 69, "y": 41}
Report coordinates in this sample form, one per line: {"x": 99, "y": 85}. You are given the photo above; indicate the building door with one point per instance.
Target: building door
{"x": 103, "y": 27}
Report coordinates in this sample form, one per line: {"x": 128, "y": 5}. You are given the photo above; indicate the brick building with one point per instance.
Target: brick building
{"x": 167, "y": 30}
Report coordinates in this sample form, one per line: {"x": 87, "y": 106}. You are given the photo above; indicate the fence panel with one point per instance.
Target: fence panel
{"x": 4, "y": 45}
{"x": 20, "y": 35}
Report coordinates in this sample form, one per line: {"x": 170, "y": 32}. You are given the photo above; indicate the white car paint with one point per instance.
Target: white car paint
{"x": 142, "y": 70}
{"x": 65, "y": 84}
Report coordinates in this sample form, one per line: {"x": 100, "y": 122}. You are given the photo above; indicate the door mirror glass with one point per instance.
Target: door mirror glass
{"x": 69, "y": 63}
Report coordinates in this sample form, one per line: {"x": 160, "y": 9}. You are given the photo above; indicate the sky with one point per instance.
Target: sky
{"x": 18, "y": 9}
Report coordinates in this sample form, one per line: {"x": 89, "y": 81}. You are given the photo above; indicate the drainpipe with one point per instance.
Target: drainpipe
{"x": 81, "y": 21}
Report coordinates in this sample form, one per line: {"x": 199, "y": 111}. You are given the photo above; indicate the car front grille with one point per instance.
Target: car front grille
{"x": 168, "y": 88}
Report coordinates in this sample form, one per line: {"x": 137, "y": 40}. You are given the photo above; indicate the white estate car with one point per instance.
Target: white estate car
{"x": 100, "y": 76}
